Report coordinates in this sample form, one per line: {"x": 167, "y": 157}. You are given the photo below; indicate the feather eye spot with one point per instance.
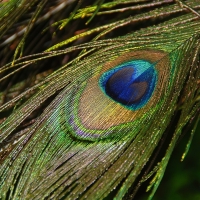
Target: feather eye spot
{"x": 130, "y": 84}
{"x": 123, "y": 89}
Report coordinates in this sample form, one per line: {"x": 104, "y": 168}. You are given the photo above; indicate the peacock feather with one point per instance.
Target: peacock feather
{"x": 92, "y": 93}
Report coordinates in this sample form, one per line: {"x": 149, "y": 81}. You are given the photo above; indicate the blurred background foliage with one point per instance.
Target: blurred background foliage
{"x": 182, "y": 179}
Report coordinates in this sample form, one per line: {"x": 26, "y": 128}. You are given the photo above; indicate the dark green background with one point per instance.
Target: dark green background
{"x": 181, "y": 180}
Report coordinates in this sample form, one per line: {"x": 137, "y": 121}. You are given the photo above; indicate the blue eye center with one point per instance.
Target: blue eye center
{"x": 130, "y": 84}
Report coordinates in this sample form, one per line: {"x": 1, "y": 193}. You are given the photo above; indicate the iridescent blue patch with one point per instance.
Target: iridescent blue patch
{"x": 131, "y": 84}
